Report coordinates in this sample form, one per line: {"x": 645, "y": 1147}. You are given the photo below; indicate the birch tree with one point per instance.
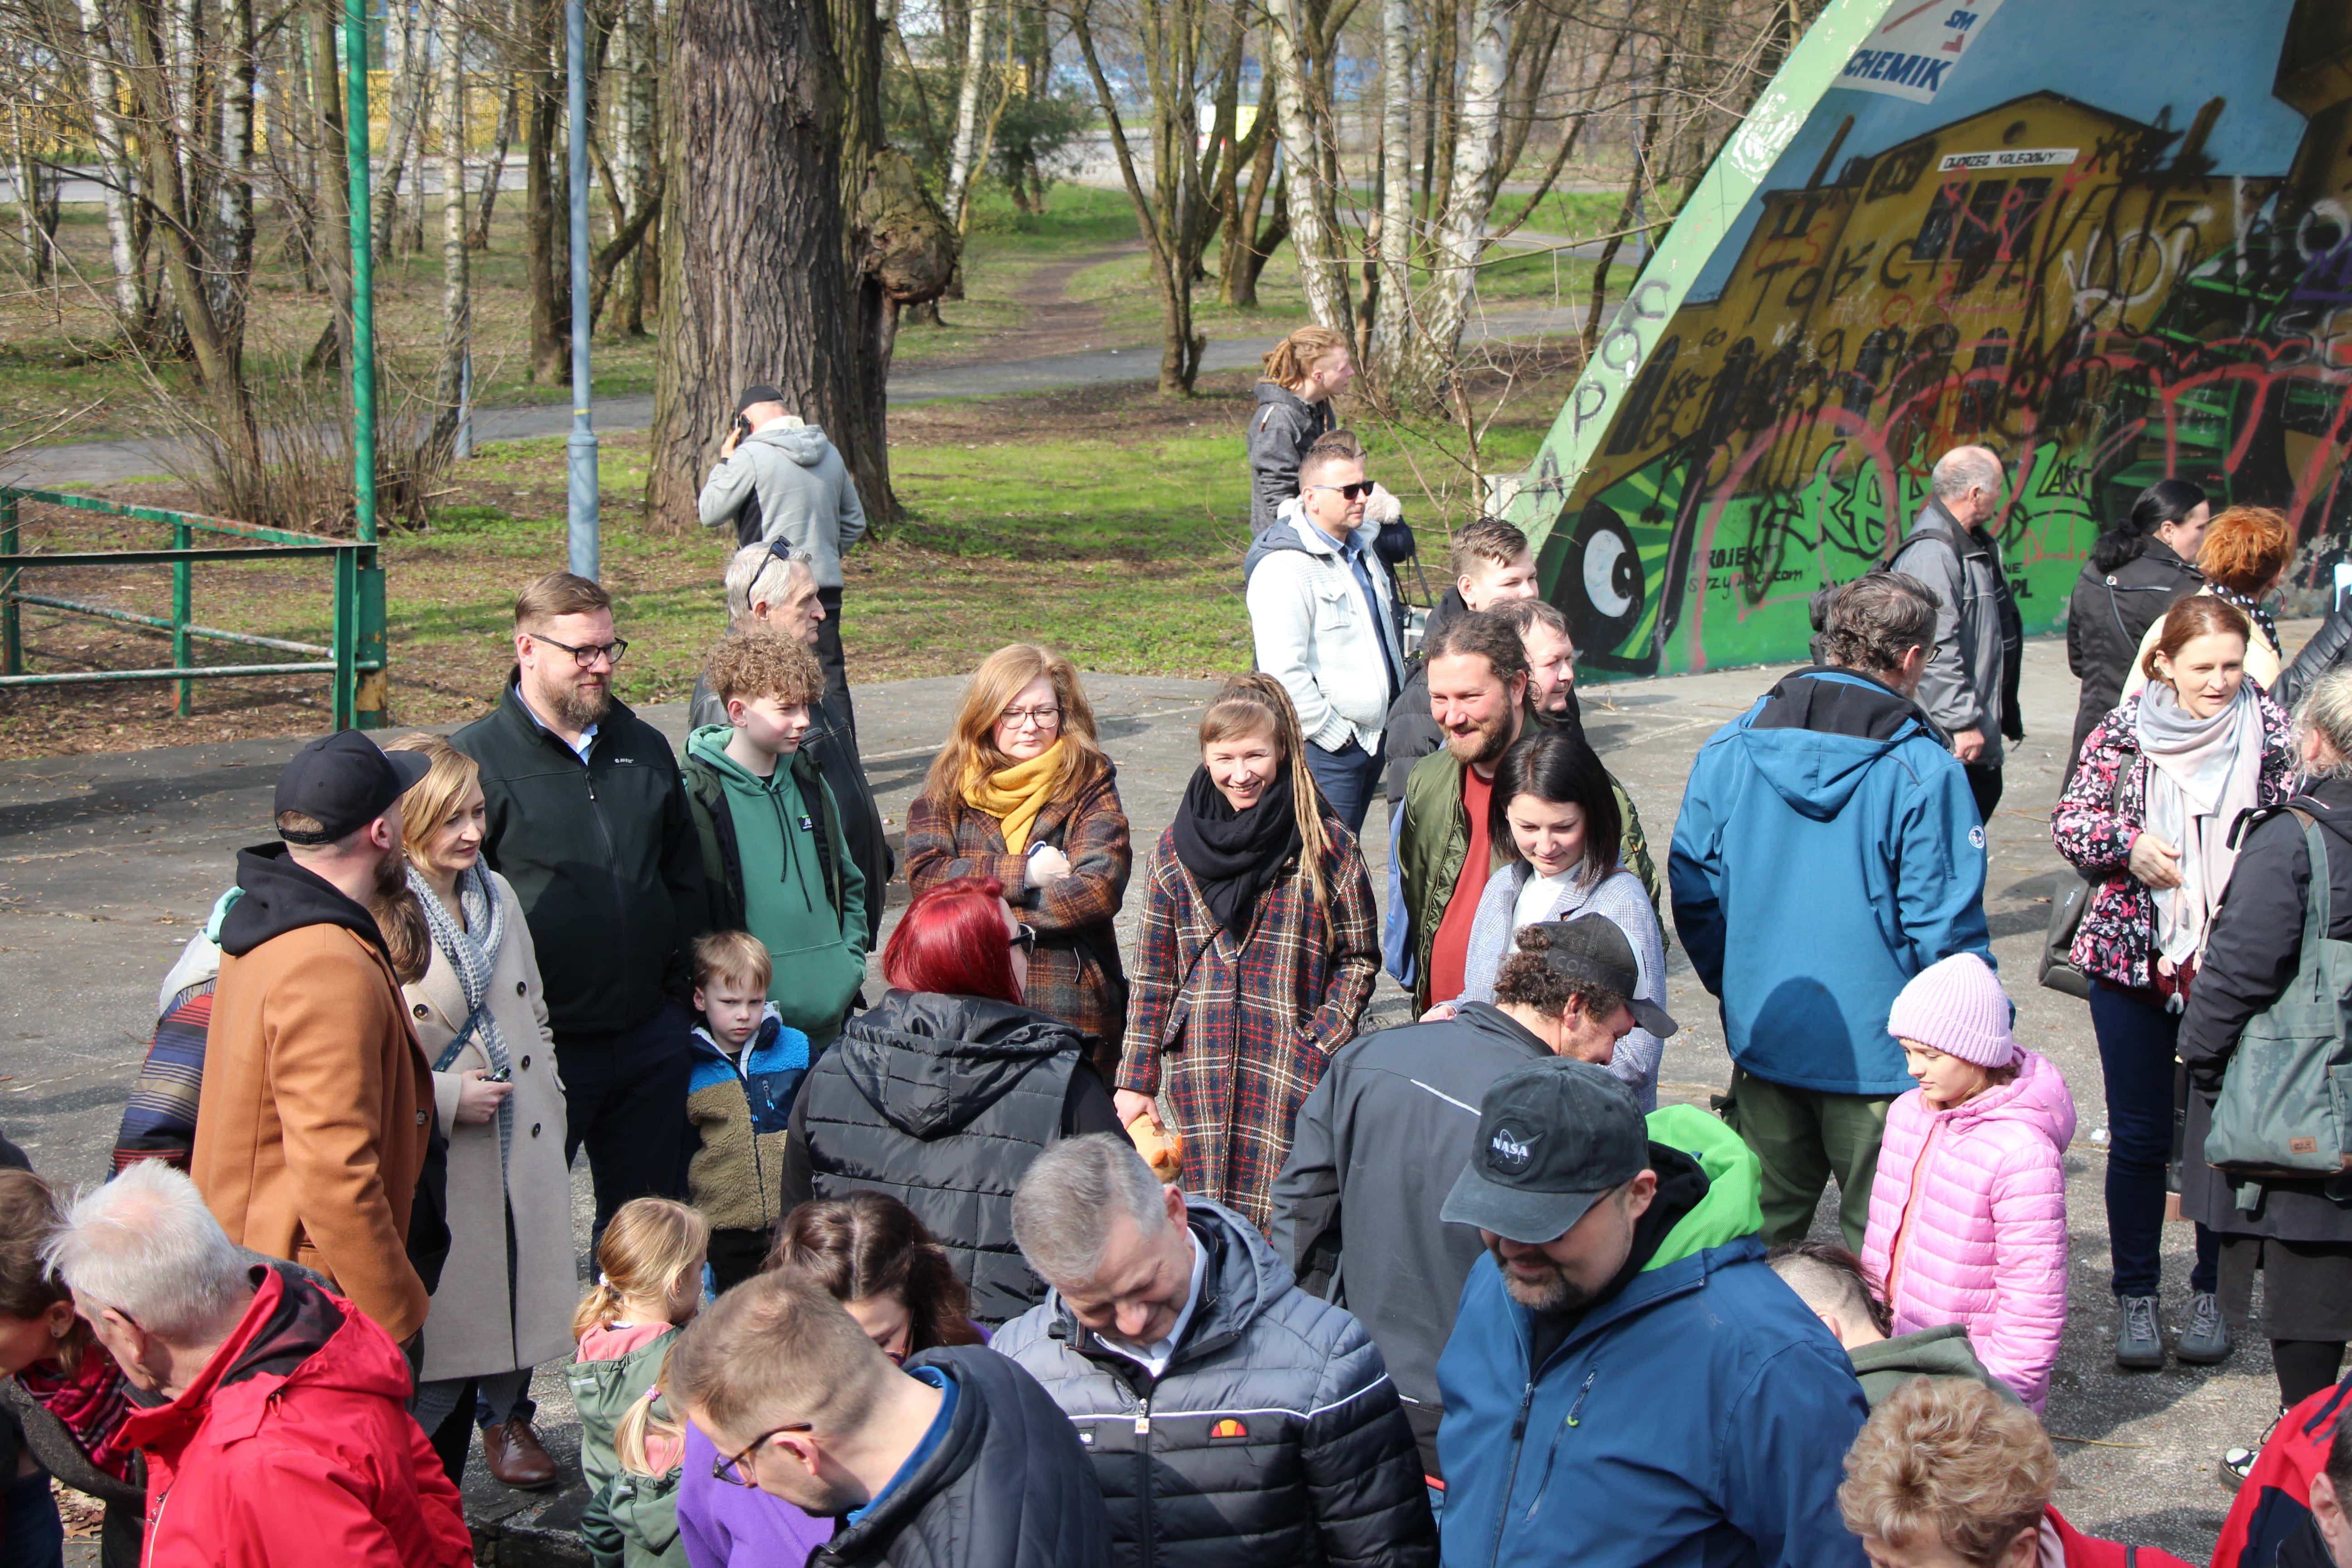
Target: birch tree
{"x": 964, "y": 161}
{"x": 456, "y": 282}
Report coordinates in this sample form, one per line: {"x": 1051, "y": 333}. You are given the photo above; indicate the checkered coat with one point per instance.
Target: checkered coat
{"x": 1074, "y": 974}
{"x": 1238, "y": 1036}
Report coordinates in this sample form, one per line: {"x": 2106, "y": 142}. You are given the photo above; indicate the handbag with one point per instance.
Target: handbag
{"x": 2069, "y": 897}
{"x": 2285, "y": 1106}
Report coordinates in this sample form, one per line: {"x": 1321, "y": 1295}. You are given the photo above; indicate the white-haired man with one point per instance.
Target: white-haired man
{"x": 1969, "y": 687}
{"x": 1233, "y": 1420}
{"x": 281, "y": 1434}
{"x": 771, "y": 586}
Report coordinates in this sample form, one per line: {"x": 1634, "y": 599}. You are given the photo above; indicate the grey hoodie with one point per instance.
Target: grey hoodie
{"x": 802, "y": 488}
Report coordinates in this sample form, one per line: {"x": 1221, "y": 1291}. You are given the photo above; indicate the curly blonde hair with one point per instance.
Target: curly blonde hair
{"x": 1948, "y": 1461}
{"x": 756, "y": 663}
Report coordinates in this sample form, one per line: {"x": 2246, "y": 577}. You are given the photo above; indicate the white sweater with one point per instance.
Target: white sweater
{"x": 1315, "y": 635}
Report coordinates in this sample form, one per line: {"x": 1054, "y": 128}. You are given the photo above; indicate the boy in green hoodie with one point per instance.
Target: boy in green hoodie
{"x": 773, "y": 853}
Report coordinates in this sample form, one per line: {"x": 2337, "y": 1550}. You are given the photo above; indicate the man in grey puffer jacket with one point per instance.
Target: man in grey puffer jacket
{"x": 779, "y": 478}
{"x": 1233, "y": 1420}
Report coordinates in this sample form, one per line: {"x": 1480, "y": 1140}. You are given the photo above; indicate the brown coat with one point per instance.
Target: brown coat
{"x": 314, "y": 1123}
{"x": 478, "y": 1326}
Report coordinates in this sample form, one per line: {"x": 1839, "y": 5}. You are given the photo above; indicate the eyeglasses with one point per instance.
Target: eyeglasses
{"x": 1025, "y": 937}
{"x": 586, "y": 658}
{"x": 732, "y": 1468}
{"x": 1019, "y": 718}
{"x": 1359, "y": 490}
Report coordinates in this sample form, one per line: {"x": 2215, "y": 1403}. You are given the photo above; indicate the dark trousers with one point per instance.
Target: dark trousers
{"x": 1984, "y": 783}
{"x": 31, "y": 1533}
{"x": 2136, "y": 1046}
{"x": 735, "y": 1257}
{"x": 830, "y": 658}
{"x": 1347, "y": 778}
{"x": 625, "y": 1098}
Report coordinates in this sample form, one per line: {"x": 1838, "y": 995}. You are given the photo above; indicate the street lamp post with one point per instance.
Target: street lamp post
{"x": 582, "y": 447}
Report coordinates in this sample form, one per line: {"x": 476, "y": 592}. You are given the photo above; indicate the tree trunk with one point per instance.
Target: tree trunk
{"x": 960, "y": 165}
{"x": 546, "y": 265}
{"x": 754, "y": 284}
{"x": 494, "y": 172}
{"x": 1392, "y": 325}
{"x": 114, "y": 164}
{"x": 334, "y": 192}
{"x": 456, "y": 282}
{"x": 1461, "y": 229}
{"x": 1314, "y": 216}
{"x": 856, "y": 29}
{"x": 232, "y": 248}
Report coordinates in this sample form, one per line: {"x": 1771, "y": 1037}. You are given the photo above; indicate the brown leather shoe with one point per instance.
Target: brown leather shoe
{"x": 515, "y": 1456}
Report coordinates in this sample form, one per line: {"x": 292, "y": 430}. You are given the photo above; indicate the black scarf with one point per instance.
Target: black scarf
{"x": 1235, "y": 855}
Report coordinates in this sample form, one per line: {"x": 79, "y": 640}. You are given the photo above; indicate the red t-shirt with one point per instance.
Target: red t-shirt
{"x": 1452, "y": 949}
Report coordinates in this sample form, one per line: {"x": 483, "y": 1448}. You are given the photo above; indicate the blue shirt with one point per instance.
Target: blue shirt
{"x": 1384, "y": 629}
{"x": 924, "y": 1450}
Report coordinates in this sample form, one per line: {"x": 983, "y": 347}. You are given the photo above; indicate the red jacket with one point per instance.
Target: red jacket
{"x": 293, "y": 1446}
{"x": 2274, "y": 1504}
{"x": 2084, "y": 1551}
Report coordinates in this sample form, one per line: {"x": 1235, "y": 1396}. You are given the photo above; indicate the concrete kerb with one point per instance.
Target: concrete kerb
{"x": 109, "y": 863}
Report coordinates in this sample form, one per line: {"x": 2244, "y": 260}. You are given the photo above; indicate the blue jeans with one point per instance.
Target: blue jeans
{"x": 2136, "y": 1046}
{"x": 1347, "y": 778}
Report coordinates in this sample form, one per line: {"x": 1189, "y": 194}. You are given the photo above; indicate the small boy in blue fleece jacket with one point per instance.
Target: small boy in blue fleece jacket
{"x": 748, "y": 1066}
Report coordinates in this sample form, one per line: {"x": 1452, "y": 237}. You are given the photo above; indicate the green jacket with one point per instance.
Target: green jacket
{"x": 632, "y": 1522}
{"x": 775, "y": 868}
{"x": 602, "y": 1391}
{"x": 1435, "y": 840}
{"x": 1941, "y": 1352}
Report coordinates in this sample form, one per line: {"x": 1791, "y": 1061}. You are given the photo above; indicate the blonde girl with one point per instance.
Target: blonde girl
{"x": 649, "y": 1285}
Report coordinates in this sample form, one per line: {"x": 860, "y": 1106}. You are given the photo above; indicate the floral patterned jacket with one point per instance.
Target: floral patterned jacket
{"x": 2100, "y": 816}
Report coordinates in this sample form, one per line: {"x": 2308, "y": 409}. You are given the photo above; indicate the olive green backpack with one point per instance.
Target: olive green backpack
{"x": 2285, "y": 1105}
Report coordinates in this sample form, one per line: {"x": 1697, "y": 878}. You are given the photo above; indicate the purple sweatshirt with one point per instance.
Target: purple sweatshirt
{"x": 728, "y": 1526}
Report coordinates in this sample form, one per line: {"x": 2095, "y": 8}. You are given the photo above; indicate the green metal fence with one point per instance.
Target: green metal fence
{"x": 355, "y": 659}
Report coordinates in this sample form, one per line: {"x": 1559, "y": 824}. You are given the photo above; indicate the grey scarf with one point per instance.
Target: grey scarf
{"x": 472, "y": 951}
{"x": 2202, "y": 774}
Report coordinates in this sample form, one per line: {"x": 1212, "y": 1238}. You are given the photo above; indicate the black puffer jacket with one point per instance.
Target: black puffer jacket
{"x": 1274, "y": 1439}
{"x": 2328, "y": 647}
{"x": 2250, "y": 956}
{"x": 1281, "y": 428}
{"x": 942, "y": 1102}
{"x": 2109, "y": 614}
{"x": 1008, "y": 1487}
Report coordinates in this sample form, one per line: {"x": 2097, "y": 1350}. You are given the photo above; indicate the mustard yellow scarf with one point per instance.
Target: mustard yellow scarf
{"x": 1015, "y": 796}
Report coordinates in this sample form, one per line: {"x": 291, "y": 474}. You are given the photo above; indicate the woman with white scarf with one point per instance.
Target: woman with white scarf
{"x": 506, "y": 1295}
{"x": 2148, "y": 818}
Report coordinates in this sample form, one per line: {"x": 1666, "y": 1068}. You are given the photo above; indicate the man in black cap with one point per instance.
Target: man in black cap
{"x": 1628, "y": 1383}
{"x": 1358, "y": 1224}
{"x": 779, "y": 478}
{"x": 316, "y": 1103}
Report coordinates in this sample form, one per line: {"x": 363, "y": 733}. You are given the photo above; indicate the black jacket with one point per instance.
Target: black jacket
{"x": 941, "y": 1102}
{"x": 1358, "y": 1224}
{"x": 862, "y": 834}
{"x": 1281, "y": 427}
{"x": 2326, "y": 650}
{"x": 1008, "y": 1487}
{"x": 2106, "y": 618}
{"x": 2251, "y": 955}
{"x": 603, "y": 856}
{"x": 1273, "y": 1440}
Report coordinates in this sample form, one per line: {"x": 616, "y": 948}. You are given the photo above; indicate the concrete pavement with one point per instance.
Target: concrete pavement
{"x": 108, "y": 864}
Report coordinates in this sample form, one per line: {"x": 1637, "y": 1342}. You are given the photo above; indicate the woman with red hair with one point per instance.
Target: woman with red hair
{"x": 941, "y": 1094}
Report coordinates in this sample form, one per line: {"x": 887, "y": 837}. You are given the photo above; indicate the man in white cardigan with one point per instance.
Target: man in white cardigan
{"x": 1323, "y": 618}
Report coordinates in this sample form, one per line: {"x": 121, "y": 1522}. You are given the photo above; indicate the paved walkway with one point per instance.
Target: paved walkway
{"x": 109, "y": 462}
{"x": 109, "y": 863}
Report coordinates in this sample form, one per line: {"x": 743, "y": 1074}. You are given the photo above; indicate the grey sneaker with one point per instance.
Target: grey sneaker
{"x": 2206, "y": 1340}
{"x": 2140, "y": 1343}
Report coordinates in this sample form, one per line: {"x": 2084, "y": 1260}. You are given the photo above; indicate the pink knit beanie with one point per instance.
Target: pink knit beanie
{"x": 1958, "y": 1008}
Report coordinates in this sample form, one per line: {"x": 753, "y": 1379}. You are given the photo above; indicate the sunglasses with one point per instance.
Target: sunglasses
{"x": 1361, "y": 490}
{"x": 1024, "y": 937}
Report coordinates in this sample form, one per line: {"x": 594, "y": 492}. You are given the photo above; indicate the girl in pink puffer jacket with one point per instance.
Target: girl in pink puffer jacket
{"x": 1968, "y": 1212}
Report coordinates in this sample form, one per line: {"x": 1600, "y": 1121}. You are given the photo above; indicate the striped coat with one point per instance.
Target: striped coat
{"x": 1074, "y": 974}
{"x": 1238, "y": 1036}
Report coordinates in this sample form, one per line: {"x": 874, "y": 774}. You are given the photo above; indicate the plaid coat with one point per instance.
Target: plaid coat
{"x": 1244, "y": 1031}
{"x": 1074, "y": 974}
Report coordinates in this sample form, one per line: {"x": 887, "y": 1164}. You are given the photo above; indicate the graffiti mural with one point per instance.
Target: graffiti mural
{"x": 2111, "y": 239}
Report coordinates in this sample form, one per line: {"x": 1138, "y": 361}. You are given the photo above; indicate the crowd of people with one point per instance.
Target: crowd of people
{"x": 1045, "y": 1253}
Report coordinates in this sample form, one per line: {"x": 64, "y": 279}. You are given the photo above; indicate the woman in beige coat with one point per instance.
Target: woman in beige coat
{"x": 508, "y": 1290}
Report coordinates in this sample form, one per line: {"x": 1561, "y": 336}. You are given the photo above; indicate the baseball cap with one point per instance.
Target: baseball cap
{"x": 1552, "y": 1138}
{"x": 1590, "y": 948}
{"x": 759, "y": 393}
{"x": 345, "y": 780}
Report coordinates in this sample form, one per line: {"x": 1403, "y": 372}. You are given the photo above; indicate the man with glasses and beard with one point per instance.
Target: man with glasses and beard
{"x": 1628, "y": 1382}
{"x": 588, "y": 819}
{"x": 317, "y": 1102}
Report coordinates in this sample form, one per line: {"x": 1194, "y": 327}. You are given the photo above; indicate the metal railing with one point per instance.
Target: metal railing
{"x": 354, "y": 658}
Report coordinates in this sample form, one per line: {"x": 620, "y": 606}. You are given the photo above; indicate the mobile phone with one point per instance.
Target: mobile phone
{"x": 504, "y": 1075}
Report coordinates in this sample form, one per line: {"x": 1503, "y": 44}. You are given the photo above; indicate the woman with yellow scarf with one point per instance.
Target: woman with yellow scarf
{"x": 1022, "y": 792}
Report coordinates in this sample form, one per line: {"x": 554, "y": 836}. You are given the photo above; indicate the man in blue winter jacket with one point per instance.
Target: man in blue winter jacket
{"x": 1628, "y": 1385}
{"x": 1829, "y": 849}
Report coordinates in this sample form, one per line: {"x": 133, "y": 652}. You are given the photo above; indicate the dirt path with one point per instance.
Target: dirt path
{"x": 1054, "y": 324}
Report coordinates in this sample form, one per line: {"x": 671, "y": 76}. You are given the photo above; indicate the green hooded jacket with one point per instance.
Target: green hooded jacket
{"x": 776, "y": 867}
{"x": 1734, "y": 1205}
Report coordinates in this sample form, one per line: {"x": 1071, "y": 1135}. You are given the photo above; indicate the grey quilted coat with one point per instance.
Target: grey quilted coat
{"x": 1274, "y": 1439}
